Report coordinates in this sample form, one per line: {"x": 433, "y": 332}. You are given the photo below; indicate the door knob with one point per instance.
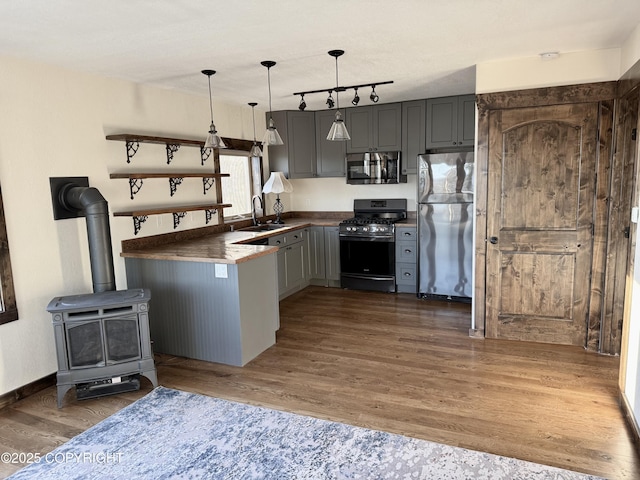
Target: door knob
{"x": 493, "y": 240}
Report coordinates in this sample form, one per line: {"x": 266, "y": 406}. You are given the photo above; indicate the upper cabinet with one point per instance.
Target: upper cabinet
{"x": 413, "y": 134}
{"x": 297, "y": 157}
{"x": 330, "y": 155}
{"x": 451, "y": 122}
{"x": 375, "y": 128}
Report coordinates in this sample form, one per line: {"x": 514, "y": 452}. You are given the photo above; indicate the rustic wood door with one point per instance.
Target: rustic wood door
{"x": 542, "y": 164}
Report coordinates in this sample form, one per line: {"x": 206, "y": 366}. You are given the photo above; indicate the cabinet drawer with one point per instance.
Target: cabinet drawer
{"x": 406, "y": 252}
{"x": 406, "y": 274}
{"x": 406, "y": 233}
{"x": 289, "y": 238}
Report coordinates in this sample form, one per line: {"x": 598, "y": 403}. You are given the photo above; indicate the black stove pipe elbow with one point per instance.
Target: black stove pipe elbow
{"x": 96, "y": 210}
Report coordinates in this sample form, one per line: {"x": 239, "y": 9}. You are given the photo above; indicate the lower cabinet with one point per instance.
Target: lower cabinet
{"x": 323, "y": 259}
{"x": 406, "y": 260}
{"x": 290, "y": 261}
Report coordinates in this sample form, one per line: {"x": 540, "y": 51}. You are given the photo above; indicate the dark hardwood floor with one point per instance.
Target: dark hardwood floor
{"x": 394, "y": 363}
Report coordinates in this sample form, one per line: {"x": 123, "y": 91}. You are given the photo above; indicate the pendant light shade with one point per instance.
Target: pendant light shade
{"x": 271, "y": 136}
{"x": 338, "y": 131}
{"x": 255, "y": 150}
{"x": 213, "y": 139}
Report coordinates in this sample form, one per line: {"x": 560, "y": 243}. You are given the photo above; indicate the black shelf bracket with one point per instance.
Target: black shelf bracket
{"x": 138, "y": 220}
{"x": 205, "y": 153}
{"x": 207, "y": 183}
{"x": 171, "y": 149}
{"x": 209, "y": 215}
{"x": 173, "y": 183}
{"x": 177, "y": 216}
{"x": 132, "y": 147}
{"x": 135, "y": 184}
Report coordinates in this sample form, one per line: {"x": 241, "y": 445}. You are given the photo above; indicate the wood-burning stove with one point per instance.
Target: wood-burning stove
{"x": 102, "y": 342}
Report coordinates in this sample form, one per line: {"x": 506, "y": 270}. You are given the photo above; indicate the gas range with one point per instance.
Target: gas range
{"x": 367, "y": 244}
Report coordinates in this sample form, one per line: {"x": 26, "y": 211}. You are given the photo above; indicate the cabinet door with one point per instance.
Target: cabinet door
{"x": 387, "y": 127}
{"x": 330, "y": 156}
{"x": 302, "y": 144}
{"x": 442, "y": 122}
{"x": 359, "y": 122}
{"x": 466, "y": 120}
{"x": 297, "y": 157}
{"x": 294, "y": 266}
{"x": 315, "y": 254}
{"x": 332, "y": 253}
{"x": 282, "y": 272}
{"x": 413, "y": 134}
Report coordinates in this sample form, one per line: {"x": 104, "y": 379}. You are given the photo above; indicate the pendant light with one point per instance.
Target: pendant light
{"x": 338, "y": 131}
{"x": 255, "y": 150}
{"x": 213, "y": 139}
{"x": 271, "y": 136}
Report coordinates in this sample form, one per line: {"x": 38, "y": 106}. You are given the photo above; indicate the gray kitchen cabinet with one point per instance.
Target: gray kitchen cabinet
{"x": 375, "y": 128}
{"x": 413, "y": 134}
{"x": 330, "y": 155}
{"x": 451, "y": 122}
{"x": 406, "y": 260}
{"x": 332, "y": 254}
{"x": 290, "y": 262}
{"x": 297, "y": 157}
{"x": 324, "y": 256}
{"x": 315, "y": 255}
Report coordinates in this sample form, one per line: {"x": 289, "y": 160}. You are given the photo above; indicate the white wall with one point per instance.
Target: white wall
{"x": 335, "y": 195}
{"x": 534, "y": 72}
{"x": 630, "y": 51}
{"x": 53, "y": 124}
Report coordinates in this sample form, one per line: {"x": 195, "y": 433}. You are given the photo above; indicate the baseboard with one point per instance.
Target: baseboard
{"x": 27, "y": 390}
{"x": 631, "y": 420}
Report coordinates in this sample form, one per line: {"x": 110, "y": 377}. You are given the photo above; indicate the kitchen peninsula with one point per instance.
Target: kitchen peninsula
{"x": 214, "y": 293}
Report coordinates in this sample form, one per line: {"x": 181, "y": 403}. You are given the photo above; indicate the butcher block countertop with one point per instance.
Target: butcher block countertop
{"x": 217, "y": 247}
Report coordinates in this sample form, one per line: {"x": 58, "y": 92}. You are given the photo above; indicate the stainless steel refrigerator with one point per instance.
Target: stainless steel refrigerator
{"x": 445, "y": 225}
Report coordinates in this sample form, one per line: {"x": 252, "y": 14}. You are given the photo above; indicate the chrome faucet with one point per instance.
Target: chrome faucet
{"x": 253, "y": 208}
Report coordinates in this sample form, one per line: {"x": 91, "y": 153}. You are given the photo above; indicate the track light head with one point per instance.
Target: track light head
{"x": 374, "y": 96}
{"x": 356, "y": 98}
{"x": 303, "y": 104}
{"x": 330, "y": 102}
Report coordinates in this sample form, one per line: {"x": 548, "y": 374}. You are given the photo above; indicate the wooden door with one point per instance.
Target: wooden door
{"x": 542, "y": 164}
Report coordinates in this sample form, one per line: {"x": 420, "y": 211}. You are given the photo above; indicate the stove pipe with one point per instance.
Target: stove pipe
{"x": 96, "y": 210}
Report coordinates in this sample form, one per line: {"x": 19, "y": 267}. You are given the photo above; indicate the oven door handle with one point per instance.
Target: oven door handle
{"x": 369, "y": 277}
{"x": 368, "y": 238}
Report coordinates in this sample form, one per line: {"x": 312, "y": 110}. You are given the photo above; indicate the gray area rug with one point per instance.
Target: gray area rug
{"x": 170, "y": 434}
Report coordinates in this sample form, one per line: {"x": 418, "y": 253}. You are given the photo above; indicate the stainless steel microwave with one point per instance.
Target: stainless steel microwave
{"x": 374, "y": 168}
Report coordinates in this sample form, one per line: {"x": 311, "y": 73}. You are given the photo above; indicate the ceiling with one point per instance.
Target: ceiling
{"x": 428, "y": 48}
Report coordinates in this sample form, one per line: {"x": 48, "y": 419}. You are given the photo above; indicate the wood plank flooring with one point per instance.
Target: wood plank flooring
{"x": 394, "y": 363}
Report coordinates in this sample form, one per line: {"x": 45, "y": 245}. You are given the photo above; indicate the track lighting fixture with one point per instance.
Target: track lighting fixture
{"x": 374, "y": 96}
{"x": 213, "y": 139}
{"x": 255, "y": 150}
{"x": 330, "y": 102}
{"x": 303, "y": 104}
{"x": 271, "y": 136}
{"x": 356, "y": 98}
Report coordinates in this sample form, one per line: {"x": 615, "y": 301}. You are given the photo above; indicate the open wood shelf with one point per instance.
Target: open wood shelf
{"x": 140, "y": 215}
{"x": 172, "y": 144}
{"x": 175, "y": 179}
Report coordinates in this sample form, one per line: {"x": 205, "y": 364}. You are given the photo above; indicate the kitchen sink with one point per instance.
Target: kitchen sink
{"x": 265, "y": 227}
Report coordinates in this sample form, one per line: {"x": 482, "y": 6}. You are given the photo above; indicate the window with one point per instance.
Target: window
{"x": 8, "y": 308}
{"x": 245, "y": 180}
